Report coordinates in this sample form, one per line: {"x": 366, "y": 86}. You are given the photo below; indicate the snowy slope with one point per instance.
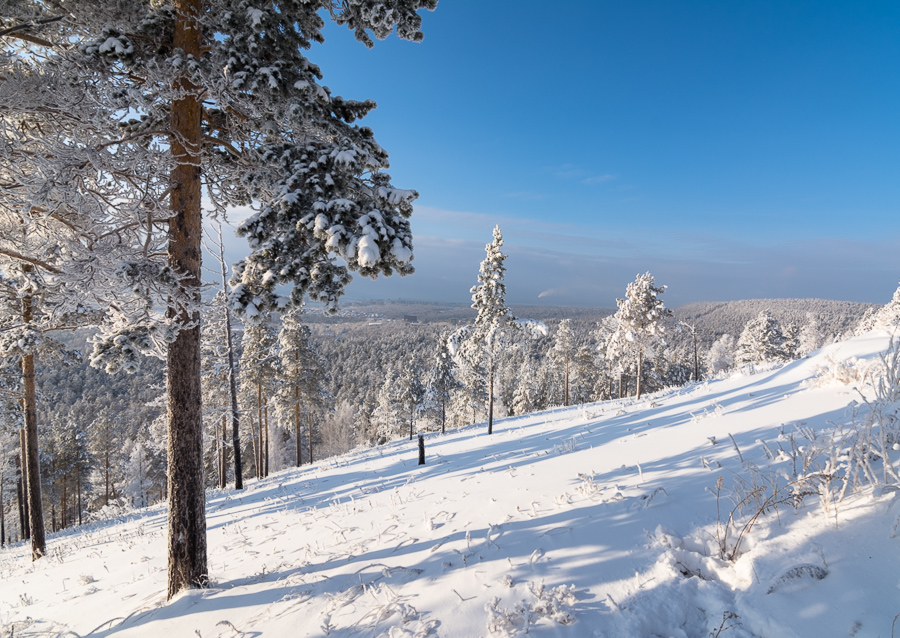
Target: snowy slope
{"x": 588, "y": 521}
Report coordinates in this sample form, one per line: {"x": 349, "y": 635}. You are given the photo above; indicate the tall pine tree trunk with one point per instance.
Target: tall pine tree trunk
{"x": 32, "y": 464}
{"x": 187, "y": 507}
{"x": 254, "y": 445}
{"x": 223, "y": 475}
{"x": 567, "y": 382}
{"x": 106, "y": 455}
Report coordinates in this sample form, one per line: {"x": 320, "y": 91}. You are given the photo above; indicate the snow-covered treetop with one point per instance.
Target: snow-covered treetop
{"x": 642, "y": 316}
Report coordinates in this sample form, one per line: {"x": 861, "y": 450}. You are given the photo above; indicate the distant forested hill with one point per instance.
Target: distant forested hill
{"x": 715, "y": 318}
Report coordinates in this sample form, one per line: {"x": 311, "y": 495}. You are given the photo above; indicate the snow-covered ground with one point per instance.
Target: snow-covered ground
{"x": 598, "y": 520}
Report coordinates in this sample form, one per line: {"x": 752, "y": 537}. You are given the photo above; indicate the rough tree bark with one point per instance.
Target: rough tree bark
{"x": 32, "y": 465}
{"x": 187, "y": 508}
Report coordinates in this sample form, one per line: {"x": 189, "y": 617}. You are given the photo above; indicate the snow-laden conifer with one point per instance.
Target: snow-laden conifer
{"x": 301, "y": 375}
{"x": 441, "y": 381}
{"x": 761, "y": 341}
{"x": 258, "y": 363}
{"x": 562, "y": 352}
{"x": 169, "y": 99}
{"x": 479, "y": 345}
{"x": 641, "y": 321}
{"x": 720, "y": 357}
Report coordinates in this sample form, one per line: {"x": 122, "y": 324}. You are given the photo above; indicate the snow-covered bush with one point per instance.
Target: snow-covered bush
{"x": 826, "y": 464}
{"x": 840, "y": 372}
{"x": 553, "y": 604}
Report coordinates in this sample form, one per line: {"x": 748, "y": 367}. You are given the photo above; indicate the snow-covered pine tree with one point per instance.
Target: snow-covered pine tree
{"x": 441, "y": 382}
{"x": 388, "y": 418}
{"x": 105, "y": 442}
{"x": 219, "y": 92}
{"x": 479, "y": 344}
{"x": 720, "y": 357}
{"x": 137, "y": 478}
{"x": 411, "y": 392}
{"x": 641, "y": 321}
{"x": 258, "y": 363}
{"x": 585, "y": 374}
{"x": 301, "y": 376}
{"x": 811, "y": 337}
{"x": 227, "y": 328}
{"x": 564, "y": 346}
{"x": 215, "y": 387}
{"x": 761, "y": 341}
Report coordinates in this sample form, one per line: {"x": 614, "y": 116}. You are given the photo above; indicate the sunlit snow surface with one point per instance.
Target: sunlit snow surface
{"x": 615, "y": 499}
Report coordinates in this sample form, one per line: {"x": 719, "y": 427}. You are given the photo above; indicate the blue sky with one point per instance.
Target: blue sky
{"x": 733, "y": 149}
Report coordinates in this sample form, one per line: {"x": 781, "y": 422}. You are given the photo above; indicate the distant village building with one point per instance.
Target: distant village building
{"x": 411, "y": 318}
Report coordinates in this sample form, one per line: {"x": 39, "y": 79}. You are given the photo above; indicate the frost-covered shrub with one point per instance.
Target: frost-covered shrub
{"x": 839, "y": 372}
{"x": 828, "y": 464}
{"x": 551, "y": 604}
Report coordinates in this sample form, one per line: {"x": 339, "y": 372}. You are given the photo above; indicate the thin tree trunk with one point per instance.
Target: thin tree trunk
{"x": 232, "y": 379}
{"x": 63, "y": 502}
{"x": 187, "y": 565}
{"x": 32, "y": 464}
{"x": 443, "y": 417}
{"x": 567, "y": 381}
{"x": 491, "y": 398}
{"x": 106, "y": 453}
{"x": 223, "y": 474}
{"x": 640, "y": 372}
{"x": 255, "y": 444}
{"x": 21, "y": 491}
{"x": 79, "y": 499}
{"x": 421, "y": 449}
{"x": 2, "y": 516}
{"x": 260, "y": 468}
{"x": 696, "y": 360}
{"x": 297, "y": 426}
{"x": 266, "y": 447}
{"x": 310, "y": 435}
